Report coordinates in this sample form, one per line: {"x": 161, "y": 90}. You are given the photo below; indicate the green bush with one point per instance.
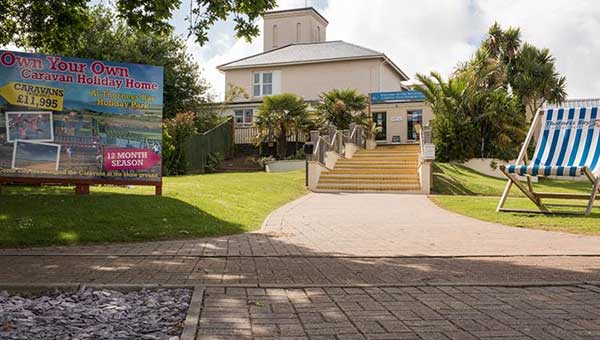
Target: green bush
{"x": 176, "y": 131}
{"x": 214, "y": 161}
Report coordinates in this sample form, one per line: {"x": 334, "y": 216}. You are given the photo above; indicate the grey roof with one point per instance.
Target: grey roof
{"x": 309, "y": 53}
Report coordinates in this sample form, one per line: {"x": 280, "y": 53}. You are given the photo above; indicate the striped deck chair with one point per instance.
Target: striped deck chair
{"x": 568, "y": 146}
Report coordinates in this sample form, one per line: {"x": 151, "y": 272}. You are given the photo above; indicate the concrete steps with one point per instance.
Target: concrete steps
{"x": 331, "y": 182}
{"x": 384, "y": 169}
{"x": 369, "y": 187}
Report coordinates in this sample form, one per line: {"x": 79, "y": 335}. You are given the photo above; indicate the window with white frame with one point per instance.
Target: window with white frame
{"x": 244, "y": 117}
{"x": 263, "y": 84}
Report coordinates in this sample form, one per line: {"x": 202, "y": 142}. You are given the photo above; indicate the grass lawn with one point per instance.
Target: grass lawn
{"x": 470, "y": 193}
{"x": 191, "y": 206}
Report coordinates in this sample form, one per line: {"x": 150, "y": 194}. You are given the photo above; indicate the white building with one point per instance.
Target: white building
{"x": 298, "y": 59}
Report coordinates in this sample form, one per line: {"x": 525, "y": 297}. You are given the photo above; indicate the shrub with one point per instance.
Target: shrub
{"x": 175, "y": 133}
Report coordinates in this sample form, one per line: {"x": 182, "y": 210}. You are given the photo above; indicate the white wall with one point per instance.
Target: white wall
{"x": 482, "y": 165}
{"x": 310, "y": 80}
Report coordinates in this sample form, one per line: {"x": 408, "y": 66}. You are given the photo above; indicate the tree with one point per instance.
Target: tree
{"x": 340, "y": 107}
{"x": 534, "y": 78}
{"x": 472, "y": 117}
{"x": 480, "y": 111}
{"x": 176, "y": 132}
{"x": 530, "y": 72}
{"x": 502, "y": 45}
{"x": 455, "y": 135}
{"x": 109, "y": 39}
{"x": 278, "y": 116}
{"x": 53, "y": 25}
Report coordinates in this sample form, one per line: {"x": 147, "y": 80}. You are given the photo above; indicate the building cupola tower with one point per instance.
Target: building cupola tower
{"x": 293, "y": 26}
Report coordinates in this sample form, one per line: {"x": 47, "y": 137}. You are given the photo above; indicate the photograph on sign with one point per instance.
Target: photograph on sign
{"x": 87, "y": 108}
{"x": 3, "y": 136}
{"x": 32, "y": 126}
{"x": 35, "y": 156}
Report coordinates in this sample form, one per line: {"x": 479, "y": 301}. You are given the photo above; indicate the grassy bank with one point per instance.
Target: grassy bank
{"x": 191, "y": 206}
{"x": 470, "y": 193}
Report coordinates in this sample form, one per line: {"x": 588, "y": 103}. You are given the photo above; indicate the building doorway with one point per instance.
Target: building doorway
{"x": 414, "y": 118}
{"x": 380, "y": 120}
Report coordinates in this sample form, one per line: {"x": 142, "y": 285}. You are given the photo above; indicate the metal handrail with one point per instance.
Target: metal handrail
{"x": 337, "y": 143}
{"x": 321, "y": 147}
{"x": 353, "y": 132}
{"x": 317, "y": 146}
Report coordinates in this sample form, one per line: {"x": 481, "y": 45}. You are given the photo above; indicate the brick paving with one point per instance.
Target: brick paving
{"x": 443, "y": 312}
{"x": 343, "y": 267}
{"x": 259, "y": 271}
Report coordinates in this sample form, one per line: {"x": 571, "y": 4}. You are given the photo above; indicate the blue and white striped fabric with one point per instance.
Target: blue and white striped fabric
{"x": 569, "y": 141}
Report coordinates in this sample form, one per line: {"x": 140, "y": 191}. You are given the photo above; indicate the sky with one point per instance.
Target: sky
{"x": 432, "y": 35}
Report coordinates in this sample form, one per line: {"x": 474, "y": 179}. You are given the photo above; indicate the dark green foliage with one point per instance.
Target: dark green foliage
{"x": 481, "y": 110}
{"x": 455, "y": 134}
{"x": 42, "y": 24}
{"x": 176, "y": 132}
{"x": 53, "y": 25}
{"x": 205, "y": 13}
{"x": 534, "y": 78}
{"x": 278, "y": 116}
{"x": 214, "y": 162}
{"x": 341, "y": 107}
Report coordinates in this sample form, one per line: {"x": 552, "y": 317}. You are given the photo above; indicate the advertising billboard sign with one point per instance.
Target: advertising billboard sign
{"x": 81, "y": 119}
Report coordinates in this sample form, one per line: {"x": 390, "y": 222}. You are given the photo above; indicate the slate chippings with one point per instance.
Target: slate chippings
{"x": 95, "y": 314}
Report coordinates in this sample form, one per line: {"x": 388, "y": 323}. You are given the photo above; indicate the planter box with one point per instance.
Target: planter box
{"x": 284, "y": 166}
{"x": 371, "y": 144}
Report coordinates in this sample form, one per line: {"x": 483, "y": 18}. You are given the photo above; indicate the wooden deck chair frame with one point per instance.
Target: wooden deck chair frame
{"x": 536, "y": 197}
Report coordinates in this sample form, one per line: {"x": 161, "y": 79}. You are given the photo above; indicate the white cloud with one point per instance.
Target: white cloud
{"x": 419, "y": 36}
{"x": 568, "y": 28}
{"x": 224, "y": 46}
{"x": 236, "y": 50}
{"x": 427, "y": 35}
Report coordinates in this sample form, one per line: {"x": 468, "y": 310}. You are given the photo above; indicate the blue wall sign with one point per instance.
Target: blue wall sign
{"x": 399, "y": 96}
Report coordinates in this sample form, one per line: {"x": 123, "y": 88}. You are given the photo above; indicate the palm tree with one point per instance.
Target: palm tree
{"x": 472, "y": 118}
{"x": 278, "y": 116}
{"x": 340, "y": 107}
{"x": 502, "y": 44}
{"x": 480, "y": 110}
{"x": 534, "y": 78}
{"x": 530, "y": 72}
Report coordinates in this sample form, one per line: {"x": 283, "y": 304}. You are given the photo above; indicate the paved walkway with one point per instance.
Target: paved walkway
{"x": 429, "y": 313}
{"x": 359, "y": 266}
{"x": 329, "y": 239}
{"x": 360, "y": 225}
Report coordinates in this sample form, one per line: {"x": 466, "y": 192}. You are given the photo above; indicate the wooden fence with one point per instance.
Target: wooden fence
{"x": 247, "y": 135}
{"x": 215, "y": 141}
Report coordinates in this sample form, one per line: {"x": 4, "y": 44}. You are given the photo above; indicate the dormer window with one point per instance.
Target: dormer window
{"x": 263, "y": 84}
{"x": 275, "y": 36}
